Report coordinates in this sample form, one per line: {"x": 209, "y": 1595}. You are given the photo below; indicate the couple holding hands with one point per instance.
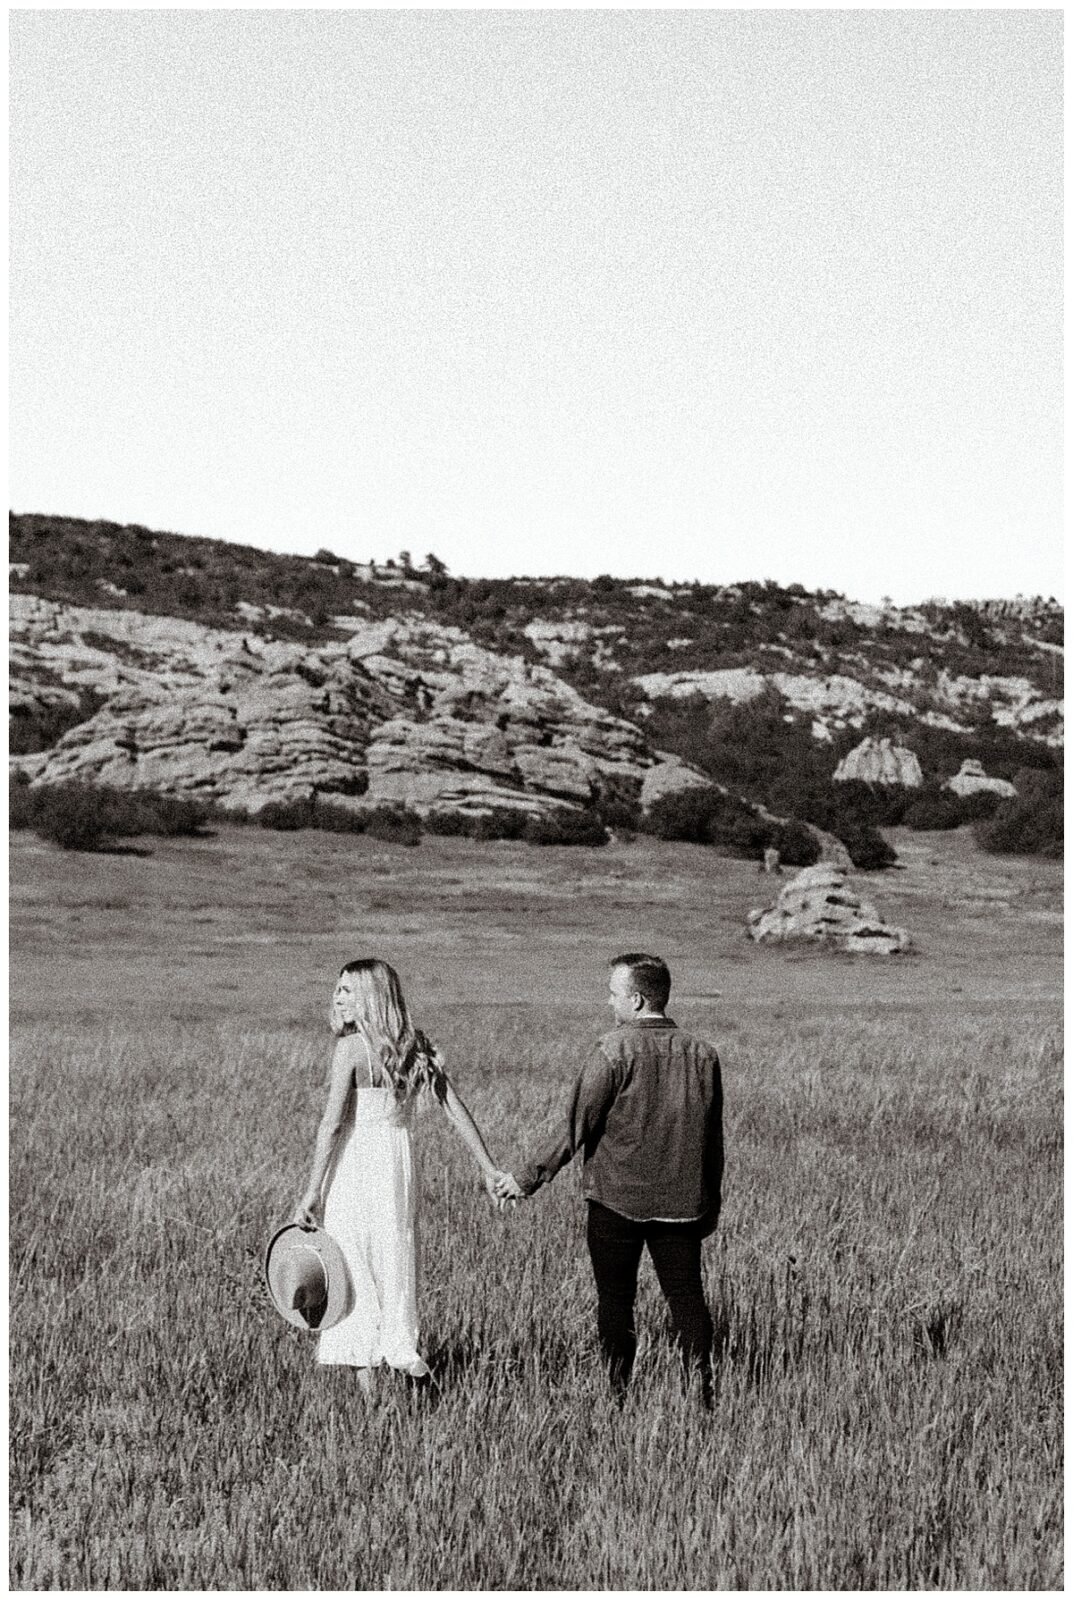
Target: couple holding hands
{"x": 646, "y": 1111}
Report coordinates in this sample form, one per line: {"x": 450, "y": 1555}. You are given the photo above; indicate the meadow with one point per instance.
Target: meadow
{"x": 886, "y": 1279}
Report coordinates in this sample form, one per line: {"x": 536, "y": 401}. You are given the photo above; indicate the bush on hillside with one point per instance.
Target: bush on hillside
{"x": 735, "y": 827}
{"x": 393, "y": 825}
{"x": 337, "y": 819}
{"x": 32, "y": 728}
{"x": 620, "y": 811}
{"x": 705, "y": 816}
{"x": 82, "y": 817}
{"x": 868, "y": 850}
{"x": 797, "y": 845}
{"x": 506, "y": 822}
{"x": 579, "y": 827}
{"x": 449, "y": 824}
{"x": 1029, "y": 823}
{"x": 940, "y": 808}
{"x": 21, "y": 799}
{"x": 74, "y": 818}
{"x": 682, "y": 815}
{"x": 286, "y": 816}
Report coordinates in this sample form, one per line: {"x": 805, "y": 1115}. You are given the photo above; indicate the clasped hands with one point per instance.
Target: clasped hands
{"x": 503, "y": 1187}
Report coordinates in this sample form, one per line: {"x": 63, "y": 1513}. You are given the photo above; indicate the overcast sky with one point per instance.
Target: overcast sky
{"x": 713, "y": 294}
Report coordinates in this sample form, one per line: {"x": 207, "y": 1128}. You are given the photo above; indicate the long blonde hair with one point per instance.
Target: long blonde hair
{"x": 409, "y": 1061}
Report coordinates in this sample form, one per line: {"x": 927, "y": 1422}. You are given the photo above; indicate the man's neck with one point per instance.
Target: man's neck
{"x": 650, "y": 1016}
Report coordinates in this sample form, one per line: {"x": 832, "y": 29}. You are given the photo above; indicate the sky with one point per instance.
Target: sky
{"x": 709, "y": 294}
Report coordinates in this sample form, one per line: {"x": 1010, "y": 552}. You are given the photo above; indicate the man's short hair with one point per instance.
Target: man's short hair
{"x": 649, "y": 975}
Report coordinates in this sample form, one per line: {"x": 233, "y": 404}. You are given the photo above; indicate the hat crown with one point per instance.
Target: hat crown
{"x": 302, "y": 1283}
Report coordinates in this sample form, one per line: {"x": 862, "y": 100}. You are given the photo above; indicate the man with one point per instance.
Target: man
{"x": 648, "y": 1112}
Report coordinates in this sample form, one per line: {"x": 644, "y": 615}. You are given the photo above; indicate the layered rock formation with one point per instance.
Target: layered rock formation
{"x": 880, "y": 761}
{"x": 402, "y": 711}
{"x": 972, "y": 779}
{"x": 819, "y": 905}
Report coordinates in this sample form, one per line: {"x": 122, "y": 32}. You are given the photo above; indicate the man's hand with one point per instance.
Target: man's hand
{"x": 506, "y": 1187}
{"x": 492, "y": 1182}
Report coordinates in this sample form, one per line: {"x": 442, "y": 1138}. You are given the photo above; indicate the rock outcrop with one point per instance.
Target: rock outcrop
{"x": 972, "y": 779}
{"x": 819, "y": 905}
{"x": 880, "y": 761}
{"x": 401, "y": 712}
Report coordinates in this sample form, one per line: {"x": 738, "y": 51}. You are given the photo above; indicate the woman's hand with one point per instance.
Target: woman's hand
{"x": 307, "y": 1213}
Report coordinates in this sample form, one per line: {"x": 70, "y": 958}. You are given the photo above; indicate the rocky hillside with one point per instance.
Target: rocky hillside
{"x": 191, "y": 665}
{"x": 402, "y": 711}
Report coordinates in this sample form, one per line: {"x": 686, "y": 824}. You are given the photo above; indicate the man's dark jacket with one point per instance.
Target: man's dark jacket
{"x": 648, "y": 1112}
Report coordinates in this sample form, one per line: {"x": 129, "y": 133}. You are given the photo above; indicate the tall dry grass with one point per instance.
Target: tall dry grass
{"x": 886, "y": 1283}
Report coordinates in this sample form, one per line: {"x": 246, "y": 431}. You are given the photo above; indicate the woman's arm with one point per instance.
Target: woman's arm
{"x": 469, "y": 1132}
{"x": 308, "y": 1210}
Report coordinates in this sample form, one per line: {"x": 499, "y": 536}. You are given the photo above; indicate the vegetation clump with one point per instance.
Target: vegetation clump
{"x": 393, "y": 825}
{"x": 706, "y": 816}
{"x": 1028, "y": 823}
{"x": 83, "y": 817}
{"x": 577, "y": 827}
{"x": 38, "y": 726}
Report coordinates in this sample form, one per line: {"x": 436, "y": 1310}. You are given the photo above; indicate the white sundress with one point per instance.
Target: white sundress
{"x": 371, "y": 1213}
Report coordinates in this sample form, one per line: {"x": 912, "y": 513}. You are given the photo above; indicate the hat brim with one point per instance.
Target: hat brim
{"x": 339, "y": 1298}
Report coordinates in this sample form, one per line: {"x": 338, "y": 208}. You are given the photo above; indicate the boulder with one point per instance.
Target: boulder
{"x": 972, "y": 779}
{"x": 880, "y": 761}
{"x": 670, "y": 775}
{"x": 818, "y": 904}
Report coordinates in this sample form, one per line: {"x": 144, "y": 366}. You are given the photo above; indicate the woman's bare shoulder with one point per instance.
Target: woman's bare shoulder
{"x": 349, "y": 1049}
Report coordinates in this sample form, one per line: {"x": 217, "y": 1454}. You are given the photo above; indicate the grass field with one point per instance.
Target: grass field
{"x": 886, "y": 1279}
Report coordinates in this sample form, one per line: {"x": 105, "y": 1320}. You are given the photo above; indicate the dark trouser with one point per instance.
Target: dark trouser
{"x": 615, "y": 1246}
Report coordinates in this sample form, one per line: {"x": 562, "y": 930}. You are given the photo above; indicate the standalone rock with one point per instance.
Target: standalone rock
{"x": 880, "y": 761}
{"x": 819, "y": 904}
{"x": 972, "y": 779}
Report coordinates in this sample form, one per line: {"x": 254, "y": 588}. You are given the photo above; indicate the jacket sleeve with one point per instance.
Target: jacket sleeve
{"x": 713, "y": 1153}
{"x": 585, "y": 1111}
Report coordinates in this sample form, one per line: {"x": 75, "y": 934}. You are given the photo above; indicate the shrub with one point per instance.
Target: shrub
{"x": 622, "y": 812}
{"x": 32, "y": 728}
{"x": 582, "y": 827}
{"x": 72, "y": 817}
{"x": 706, "y": 816}
{"x": 867, "y": 848}
{"x": 507, "y": 823}
{"x": 933, "y": 810}
{"x": 286, "y": 815}
{"x": 337, "y": 819}
{"x": 683, "y": 815}
{"x": 393, "y": 825}
{"x": 172, "y": 817}
{"x": 940, "y": 808}
{"x": 450, "y": 824}
{"x": 735, "y": 826}
{"x": 878, "y": 805}
{"x": 82, "y": 817}
{"x": 797, "y": 845}
{"x": 21, "y": 800}
{"x": 1030, "y": 822}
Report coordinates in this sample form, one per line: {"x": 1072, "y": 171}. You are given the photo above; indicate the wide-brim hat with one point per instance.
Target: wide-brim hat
{"x": 307, "y": 1277}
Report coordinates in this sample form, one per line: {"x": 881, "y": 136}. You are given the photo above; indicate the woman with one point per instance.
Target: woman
{"x": 382, "y": 1065}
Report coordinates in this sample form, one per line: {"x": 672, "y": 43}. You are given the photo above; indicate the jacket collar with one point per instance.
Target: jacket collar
{"x": 649, "y": 1022}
